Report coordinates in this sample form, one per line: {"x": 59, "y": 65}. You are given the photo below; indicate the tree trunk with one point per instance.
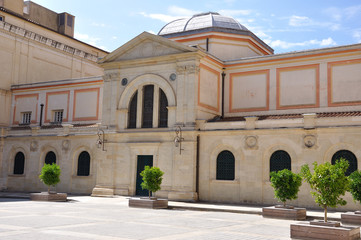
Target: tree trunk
{"x": 284, "y": 204}
{"x": 48, "y": 189}
{"x": 150, "y": 194}
{"x": 325, "y": 218}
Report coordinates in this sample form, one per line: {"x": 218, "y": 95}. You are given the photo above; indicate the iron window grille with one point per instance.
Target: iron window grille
{"x": 83, "y": 164}
{"x": 58, "y": 116}
{"x": 50, "y": 158}
{"x": 350, "y": 157}
{"x": 280, "y": 160}
{"x": 225, "y": 166}
{"x": 19, "y": 163}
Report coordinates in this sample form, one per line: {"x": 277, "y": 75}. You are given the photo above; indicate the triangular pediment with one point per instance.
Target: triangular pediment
{"x": 146, "y": 45}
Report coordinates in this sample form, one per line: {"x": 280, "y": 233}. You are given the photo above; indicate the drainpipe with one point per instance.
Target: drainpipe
{"x": 41, "y": 114}
{"x": 197, "y": 169}
{"x": 207, "y": 44}
{"x": 223, "y": 76}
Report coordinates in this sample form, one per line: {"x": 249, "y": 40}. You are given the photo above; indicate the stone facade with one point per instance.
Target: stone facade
{"x": 189, "y": 112}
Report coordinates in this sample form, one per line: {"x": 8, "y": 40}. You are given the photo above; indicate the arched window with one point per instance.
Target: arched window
{"x": 150, "y": 115}
{"x": 132, "y": 123}
{"x": 19, "y": 163}
{"x": 83, "y": 164}
{"x": 349, "y": 156}
{"x": 280, "y": 160}
{"x": 163, "y": 110}
{"x": 225, "y": 166}
{"x": 50, "y": 158}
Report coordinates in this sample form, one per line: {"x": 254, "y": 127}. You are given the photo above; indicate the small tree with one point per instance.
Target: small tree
{"x": 328, "y": 182}
{"x": 355, "y": 185}
{"x": 286, "y": 185}
{"x": 152, "y": 179}
{"x": 50, "y": 175}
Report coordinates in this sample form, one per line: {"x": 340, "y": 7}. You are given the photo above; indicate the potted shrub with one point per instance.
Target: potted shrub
{"x": 50, "y": 176}
{"x": 328, "y": 183}
{"x": 355, "y": 190}
{"x": 286, "y": 186}
{"x": 152, "y": 179}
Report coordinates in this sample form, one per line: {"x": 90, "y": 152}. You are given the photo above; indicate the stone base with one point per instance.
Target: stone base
{"x": 284, "y": 213}
{"x": 145, "y": 202}
{"x": 45, "y": 196}
{"x": 183, "y": 196}
{"x": 351, "y": 218}
{"x": 305, "y": 230}
{"x": 102, "y": 192}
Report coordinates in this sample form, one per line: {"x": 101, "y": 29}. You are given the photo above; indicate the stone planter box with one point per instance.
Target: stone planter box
{"x": 145, "y": 202}
{"x": 284, "y": 213}
{"x": 351, "y": 217}
{"x": 45, "y": 196}
{"x": 321, "y": 230}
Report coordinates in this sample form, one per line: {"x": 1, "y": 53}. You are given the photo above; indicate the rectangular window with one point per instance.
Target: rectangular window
{"x": 58, "y": 116}
{"x": 26, "y": 118}
{"x": 2, "y": 18}
{"x": 62, "y": 19}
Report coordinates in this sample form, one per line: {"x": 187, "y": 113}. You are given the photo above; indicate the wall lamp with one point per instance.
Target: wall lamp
{"x": 101, "y": 141}
{"x": 178, "y": 139}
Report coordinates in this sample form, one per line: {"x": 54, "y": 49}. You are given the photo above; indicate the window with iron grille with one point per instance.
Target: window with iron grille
{"x": 58, "y": 116}
{"x": 2, "y": 18}
{"x": 280, "y": 160}
{"x": 19, "y": 163}
{"x": 349, "y": 156}
{"x": 132, "y": 121}
{"x": 26, "y": 118}
{"x": 163, "y": 110}
{"x": 50, "y": 158}
{"x": 225, "y": 166}
{"x": 83, "y": 164}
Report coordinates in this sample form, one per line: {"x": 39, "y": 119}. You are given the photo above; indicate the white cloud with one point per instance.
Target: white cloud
{"x": 300, "y": 21}
{"x": 89, "y": 40}
{"x": 338, "y": 14}
{"x": 161, "y": 17}
{"x": 285, "y": 45}
{"x": 303, "y": 21}
{"x": 98, "y": 24}
{"x": 152, "y": 32}
{"x": 178, "y": 11}
{"x": 357, "y": 35}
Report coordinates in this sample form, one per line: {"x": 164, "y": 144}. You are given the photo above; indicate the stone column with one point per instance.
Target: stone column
{"x": 156, "y": 107}
{"x": 140, "y": 107}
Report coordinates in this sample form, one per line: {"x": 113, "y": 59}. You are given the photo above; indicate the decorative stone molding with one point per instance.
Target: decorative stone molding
{"x": 309, "y": 120}
{"x": 108, "y": 76}
{"x": 187, "y": 69}
{"x": 46, "y": 41}
{"x": 309, "y": 141}
{"x": 251, "y": 142}
{"x": 251, "y": 122}
{"x": 65, "y": 145}
{"x": 34, "y": 146}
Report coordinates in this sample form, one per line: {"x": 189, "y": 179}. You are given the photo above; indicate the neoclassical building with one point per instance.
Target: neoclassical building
{"x": 205, "y": 100}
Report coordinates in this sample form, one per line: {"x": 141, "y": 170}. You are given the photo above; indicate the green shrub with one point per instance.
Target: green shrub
{"x": 50, "y": 175}
{"x": 355, "y": 185}
{"x": 286, "y": 185}
{"x": 328, "y": 182}
{"x": 152, "y": 179}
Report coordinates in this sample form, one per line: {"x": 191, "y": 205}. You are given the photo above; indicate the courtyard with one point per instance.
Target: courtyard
{"x": 85, "y": 217}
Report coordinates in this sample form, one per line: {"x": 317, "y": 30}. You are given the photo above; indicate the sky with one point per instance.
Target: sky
{"x": 285, "y": 25}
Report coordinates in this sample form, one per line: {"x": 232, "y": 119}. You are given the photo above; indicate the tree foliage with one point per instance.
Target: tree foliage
{"x": 50, "y": 175}
{"x": 152, "y": 179}
{"x": 286, "y": 185}
{"x": 355, "y": 185}
{"x": 328, "y": 182}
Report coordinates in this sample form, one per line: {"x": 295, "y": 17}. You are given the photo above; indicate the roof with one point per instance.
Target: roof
{"x": 200, "y": 21}
{"x": 288, "y": 116}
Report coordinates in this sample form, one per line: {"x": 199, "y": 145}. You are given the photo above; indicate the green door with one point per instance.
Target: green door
{"x": 143, "y": 160}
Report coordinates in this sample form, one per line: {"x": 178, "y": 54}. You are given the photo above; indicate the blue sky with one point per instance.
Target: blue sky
{"x": 285, "y": 25}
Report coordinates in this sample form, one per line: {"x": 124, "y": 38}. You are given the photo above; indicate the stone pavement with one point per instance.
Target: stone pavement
{"x": 85, "y": 217}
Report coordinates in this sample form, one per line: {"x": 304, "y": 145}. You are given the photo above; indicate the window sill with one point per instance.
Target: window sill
{"x": 16, "y": 175}
{"x": 76, "y": 176}
{"x": 235, "y": 181}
